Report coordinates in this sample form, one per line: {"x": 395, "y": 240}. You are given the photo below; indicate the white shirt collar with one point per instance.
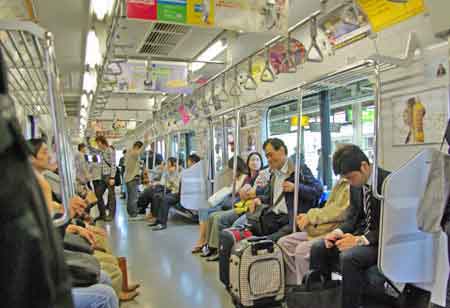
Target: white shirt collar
{"x": 285, "y": 168}
{"x": 370, "y": 179}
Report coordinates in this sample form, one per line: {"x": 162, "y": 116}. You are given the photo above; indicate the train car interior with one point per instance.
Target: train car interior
{"x": 225, "y": 153}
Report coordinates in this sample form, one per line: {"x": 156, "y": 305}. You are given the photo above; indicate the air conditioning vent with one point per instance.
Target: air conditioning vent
{"x": 162, "y": 39}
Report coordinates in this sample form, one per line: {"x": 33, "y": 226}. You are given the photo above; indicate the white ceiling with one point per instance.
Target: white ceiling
{"x": 68, "y": 20}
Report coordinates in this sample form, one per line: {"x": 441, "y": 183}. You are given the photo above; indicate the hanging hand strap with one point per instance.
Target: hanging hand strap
{"x": 267, "y": 74}
{"x": 314, "y": 45}
{"x": 250, "y": 82}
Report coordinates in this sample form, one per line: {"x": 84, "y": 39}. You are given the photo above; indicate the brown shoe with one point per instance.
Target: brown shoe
{"x": 128, "y": 296}
{"x": 126, "y": 287}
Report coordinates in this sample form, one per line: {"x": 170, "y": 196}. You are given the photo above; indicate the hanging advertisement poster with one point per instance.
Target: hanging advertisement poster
{"x": 279, "y": 55}
{"x": 253, "y": 16}
{"x": 191, "y": 12}
{"x": 420, "y": 118}
{"x": 200, "y": 12}
{"x": 170, "y": 78}
{"x": 172, "y": 11}
{"x": 163, "y": 77}
{"x": 383, "y": 14}
{"x": 345, "y": 25}
{"x": 142, "y": 9}
{"x": 184, "y": 115}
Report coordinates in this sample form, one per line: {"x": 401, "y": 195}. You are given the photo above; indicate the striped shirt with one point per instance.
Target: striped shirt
{"x": 107, "y": 163}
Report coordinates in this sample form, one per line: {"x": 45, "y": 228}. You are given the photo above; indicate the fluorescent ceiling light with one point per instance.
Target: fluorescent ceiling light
{"x": 101, "y": 8}
{"x": 89, "y": 82}
{"x": 93, "y": 53}
{"x": 84, "y": 100}
{"x": 83, "y": 113}
{"x": 209, "y": 54}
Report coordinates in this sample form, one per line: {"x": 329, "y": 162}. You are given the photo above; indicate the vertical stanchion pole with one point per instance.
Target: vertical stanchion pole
{"x": 224, "y": 143}
{"x": 297, "y": 155}
{"x": 57, "y": 114}
{"x": 377, "y": 123}
{"x": 210, "y": 157}
{"x": 155, "y": 150}
{"x": 237, "y": 128}
{"x": 178, "y": 150}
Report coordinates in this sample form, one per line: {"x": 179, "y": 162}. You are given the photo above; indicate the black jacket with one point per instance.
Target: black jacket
{"x": 32, "y": 268}
{"x": 356, "y": 217}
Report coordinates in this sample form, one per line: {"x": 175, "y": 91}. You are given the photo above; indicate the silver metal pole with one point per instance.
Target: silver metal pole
{"x": 224, "y": 143}
{"x": 147, "y": 159}
{"x": 155, "y": 150}
{"x": 210, "y": 157}
{"x": 178, "y": 149}
{"x": 237, "y": 128}
{"x": 297, "y": 155}
{"x": 57, "y": 113}
{"x": 377, "y": 125}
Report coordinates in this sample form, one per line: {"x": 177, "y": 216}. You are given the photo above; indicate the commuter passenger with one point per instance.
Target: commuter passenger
{"x": 162, "y": 202}
{"x": 280, "y": 193}
{"x": 96, "y": 237}
{"x": 81, "y": 166}
{"x": 132, "y": 177}
{"x": 316, "y": 223}
{"x": 192, "y": 160}
{"x": 207, "y": 226}
{"x": 123, "y": 194}
{"x": 106, "y": 181}
{"x": 354, "y": 245}
{"x": 158, "y": 158}
{"x": 100, "y": 294}
{"x": 224, "y": 218}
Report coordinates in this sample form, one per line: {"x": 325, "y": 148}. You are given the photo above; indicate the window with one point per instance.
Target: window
{"x": 351, "y": 121}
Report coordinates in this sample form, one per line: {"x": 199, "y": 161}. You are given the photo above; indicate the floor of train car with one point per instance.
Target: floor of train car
{"x": 170, "y": 276}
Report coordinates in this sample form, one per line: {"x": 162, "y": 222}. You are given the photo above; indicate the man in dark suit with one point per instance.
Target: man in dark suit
{"x": 355, "y": 244}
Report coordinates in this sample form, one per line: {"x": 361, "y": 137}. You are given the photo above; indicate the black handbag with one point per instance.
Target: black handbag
{"x": 413, "y": 297}
{"x": 77, "y": 243}
{"x": 84, "y": 268}
{"x": 263, "y": 221}
{"x": 315, "y": 292}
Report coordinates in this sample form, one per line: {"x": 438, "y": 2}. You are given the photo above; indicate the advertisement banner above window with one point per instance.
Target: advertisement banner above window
{"x": 383, "y": 14}
{"x": 237, "y": 15}
{"x": 162, "y": 77}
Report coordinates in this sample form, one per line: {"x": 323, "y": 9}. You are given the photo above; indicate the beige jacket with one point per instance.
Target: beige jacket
{"x": 326, "y": 219}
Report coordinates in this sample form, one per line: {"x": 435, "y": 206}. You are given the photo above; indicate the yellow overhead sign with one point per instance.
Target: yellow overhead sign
{"x": 383, "y": 14}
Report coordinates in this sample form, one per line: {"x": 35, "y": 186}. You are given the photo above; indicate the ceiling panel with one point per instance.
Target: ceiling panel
{"x": 132, "y": 35}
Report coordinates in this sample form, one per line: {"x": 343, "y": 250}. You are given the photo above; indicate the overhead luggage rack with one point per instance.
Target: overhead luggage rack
{"x": 33, "y": 83}
{"x": 23, "y": 46}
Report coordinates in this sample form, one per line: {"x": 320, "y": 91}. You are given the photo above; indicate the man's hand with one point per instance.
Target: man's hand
{"x": 77, "y": 206}
{"x": 97, "y": 230}
{"x": 348, "y": 241}
{"x": 252, "y": 206}
{"x": 330, "y": 239}
{"x": 88, "y": 235}
{"x": 288, "y": 186}
{"x": 302, "y": 221}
